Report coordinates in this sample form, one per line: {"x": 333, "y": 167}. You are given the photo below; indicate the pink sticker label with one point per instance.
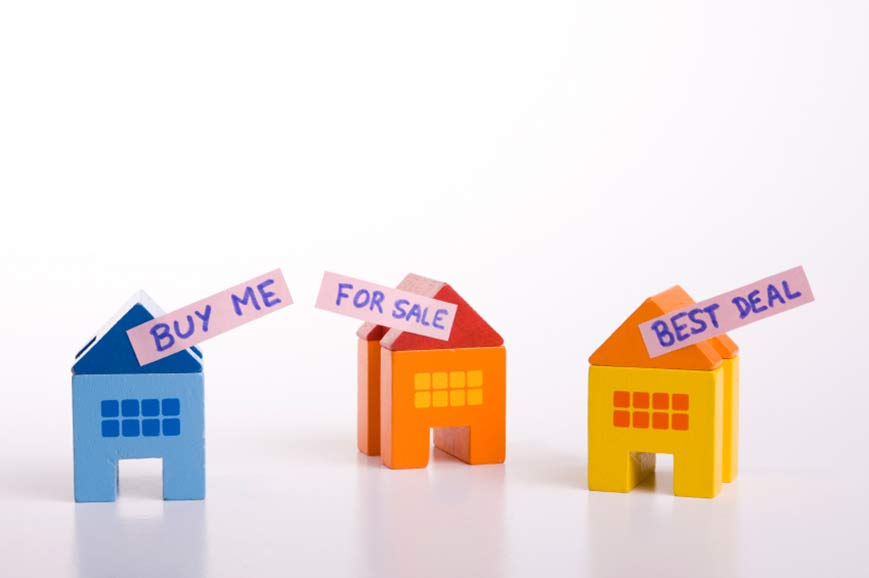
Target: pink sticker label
{"x": 721, "y": 314}
{"x": 385, "y": 306}
{"x": 176, "y": 331}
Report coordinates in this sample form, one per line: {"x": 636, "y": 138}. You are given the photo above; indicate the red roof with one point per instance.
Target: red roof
{"x": 469, "y": 328}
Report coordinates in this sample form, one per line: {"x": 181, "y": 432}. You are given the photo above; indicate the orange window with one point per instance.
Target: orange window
{"x": 448, "y": 389}
{"x": 621, "y": 418}
{"x": 621, "y": 399}
{"x": 680, "y": 421}
{"x": 641, "y": 419}
{"x": 669, "y": 411}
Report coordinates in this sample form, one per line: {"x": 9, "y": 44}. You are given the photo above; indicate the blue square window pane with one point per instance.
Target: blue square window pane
{"x": 109, "y": 408}
{"x": 130, "y": 408}
{"x": 172, "y": 406}
{"x": 150, "y": 407}
{"x": 150, "y": 427}
{"x": 171, "y": 427}
{"x": 130, "y": 428}
{"x": 111, "y": 428}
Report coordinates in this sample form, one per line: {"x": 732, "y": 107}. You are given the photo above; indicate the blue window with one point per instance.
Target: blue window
{"x": 130, "y": 428}
{"x": 109, "y": 408}
{"x": 130, "y": 408}
{"x": 172, "y": 406}
{"x": 150, "y": 427}
{"x": 111, "y": 428}
{"x": 150, "y": 407}
{"x": 171, "y": 427}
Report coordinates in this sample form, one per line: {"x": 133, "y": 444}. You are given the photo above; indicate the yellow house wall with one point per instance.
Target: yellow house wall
{"x": 731, "y": 420}
{"x": 620, "y": 457}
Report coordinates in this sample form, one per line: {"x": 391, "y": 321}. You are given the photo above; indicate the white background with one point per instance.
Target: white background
{"x": 556, "y": 162}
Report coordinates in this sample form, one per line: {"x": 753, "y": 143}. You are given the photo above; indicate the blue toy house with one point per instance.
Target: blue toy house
{"x": 121, "y": 410}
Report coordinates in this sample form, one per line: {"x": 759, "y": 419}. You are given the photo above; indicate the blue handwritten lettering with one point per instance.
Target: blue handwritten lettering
{"x": 341, "y": 294}
{"x": 376, "y": 299}
{"x": 694, "y": 316}
{"x": 742, "y": 305}
{"x": 247, "y": 296}
{"x": 662, "y": 331}
{"x": 159, "y": 332}
{"x": 440, "y": 313}
{"x": 190, "y": 328}
{"x": 399, "y": 312}
{"x": 788, "y": 293}
{"x": 204, "y": 317}
{"x": 267, "y": 295}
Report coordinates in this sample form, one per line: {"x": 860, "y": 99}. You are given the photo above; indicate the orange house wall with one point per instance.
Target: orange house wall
{"x": 368, "y": 405}
{"x": 475, "y": 434}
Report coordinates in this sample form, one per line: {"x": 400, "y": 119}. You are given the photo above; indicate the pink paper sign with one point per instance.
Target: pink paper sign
{"x": 176, "y": 331}
{"x": 721, "y": 314}
{"x": 385, "y": 306}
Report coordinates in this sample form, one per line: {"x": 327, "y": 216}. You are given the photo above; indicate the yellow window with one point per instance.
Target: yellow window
{"x": 457, "y": 379}
{"x": 439, "y": 380}
{"x": 475, "y": 378}
{"x": 457, "y": 397}
{"x": 475, "y": 397}
{"x": 422, "y": 399}
{"x": 439, "y": 399}
{"x": 422, "y": 381}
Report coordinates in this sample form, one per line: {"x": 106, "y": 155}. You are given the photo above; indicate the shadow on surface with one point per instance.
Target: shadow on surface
{"x": 658, "y": 482}
{"x": 447, "y": 519}
{"x": 140, "y": 536}
{"x": 650, "y": 528}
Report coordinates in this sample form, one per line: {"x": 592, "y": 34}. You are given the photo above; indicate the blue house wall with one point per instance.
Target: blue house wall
{"x": 125, "y": 411}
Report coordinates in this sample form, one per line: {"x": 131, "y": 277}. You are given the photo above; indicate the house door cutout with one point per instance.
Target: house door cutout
{"x": 141, "y": 478}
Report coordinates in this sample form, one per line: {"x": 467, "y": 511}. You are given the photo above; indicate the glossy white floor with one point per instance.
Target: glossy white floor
{"x": 297, "y": 499}
{"x": 555, "y": 162}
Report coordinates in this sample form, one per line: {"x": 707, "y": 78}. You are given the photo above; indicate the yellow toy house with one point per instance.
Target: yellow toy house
{"x": 683, "y": 403}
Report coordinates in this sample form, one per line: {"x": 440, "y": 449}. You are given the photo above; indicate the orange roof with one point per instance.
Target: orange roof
{"x": 469, "y": 328}
{"x": 625, "y": 347}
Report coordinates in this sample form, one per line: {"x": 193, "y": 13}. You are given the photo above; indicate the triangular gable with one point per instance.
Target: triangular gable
{"x": 469, "y": 328}
{"x": 371, "y": 332}
{"x": 625, "y": 347}
{"x": 110, "y": 351}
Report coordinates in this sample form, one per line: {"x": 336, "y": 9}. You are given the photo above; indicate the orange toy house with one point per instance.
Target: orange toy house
{"x": 409, "y": 384}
